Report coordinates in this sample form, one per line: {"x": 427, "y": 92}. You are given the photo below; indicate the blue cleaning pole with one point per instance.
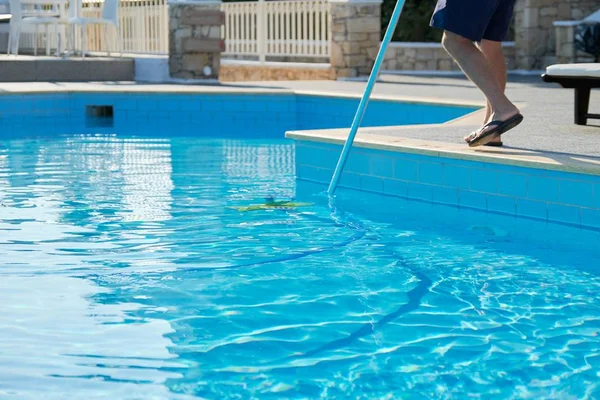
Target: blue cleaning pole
{"x": 360, "y": 112}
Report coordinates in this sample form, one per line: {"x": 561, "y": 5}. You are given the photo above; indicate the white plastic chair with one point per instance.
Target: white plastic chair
{"x": 73, "y": 12}
{"x": 19, "y": 19}
{"x": 110, "y": 17}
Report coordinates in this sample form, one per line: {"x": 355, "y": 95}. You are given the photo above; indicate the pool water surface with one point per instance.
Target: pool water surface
{"x": 126, "y": 271}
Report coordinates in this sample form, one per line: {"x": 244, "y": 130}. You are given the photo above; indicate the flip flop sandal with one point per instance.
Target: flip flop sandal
{"x": 497, "y": 128}
{"x": 491, "y": 144}
{"x": 494, "y": 144}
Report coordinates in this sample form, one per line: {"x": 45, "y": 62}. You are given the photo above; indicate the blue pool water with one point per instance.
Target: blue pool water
{"x": 125, "y": 273}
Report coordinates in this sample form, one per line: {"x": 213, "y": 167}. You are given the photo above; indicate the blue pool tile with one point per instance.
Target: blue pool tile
{"x": 456, "y": 177}
{"x": 540, "y": 188}
{"x": 43, "y": 103}
{"x": 430, "y": 173}
{"x": 172, "y": 104}
{"x": 597, "y": 196}
{"x": 148, "y": 104}
{"x": 121, "y": 117}
{"x": 445, "y": 195}
{"x": 191, "y": 104}
{"x": 313, "y": 174}
{"x": 484, "y": 180}
{"x": 327, "y": 146}
{"x": 572, "y": 176}
{"x": 532, "y": 209}
{"x": 238, "y": 105}
{"x": 382, "y": 166}
{"x": 412, "y": 156}
{"x": 288, "y": 119}
{"x": 254, "y": 106}
{"x": 281, "y": 105}
{"x": 357, "y": 162}
{"x": 347, "y": 180}
{"x": 394, "y": 187}
{"x": 465, "y": 163}
{"x": 502, "y": 204}
{"x": 406, "y": 170}
{"x": 216, "y": 104}
{"x": 371, "y": 183}
{"x": 512, "y": 184}
{"x": 590, "y": 217}
{"x": 420, "y": 192}
{"x": 470, "y": 199}
{"x": 315, "y": 156}
{"x": 576, "y": 193}
{"x": 562, "y": 213}
{"x": 514, "y": 169}
{"x": 129, "y": 104}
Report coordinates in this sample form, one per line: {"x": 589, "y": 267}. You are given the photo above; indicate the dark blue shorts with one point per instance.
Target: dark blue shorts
{"x": 475, "y": 19}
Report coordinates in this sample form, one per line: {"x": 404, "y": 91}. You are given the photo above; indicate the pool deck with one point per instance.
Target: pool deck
{"x": 41, "y": 68}
{"x": 547, "y": 138}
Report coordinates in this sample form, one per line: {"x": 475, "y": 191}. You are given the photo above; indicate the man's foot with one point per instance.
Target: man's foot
{"x": 496, "y": 141}
{"x": 491, "y": 122}
{"x": 499, "y": 124}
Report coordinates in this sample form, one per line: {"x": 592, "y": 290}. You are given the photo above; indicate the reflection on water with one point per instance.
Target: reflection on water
{"x": 73, "y": 204}
{"x": 125, "y": 273}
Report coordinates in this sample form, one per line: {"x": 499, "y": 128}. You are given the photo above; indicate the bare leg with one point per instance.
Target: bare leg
{"x": 495, "y": 56}
{"x": 477, "y": 68}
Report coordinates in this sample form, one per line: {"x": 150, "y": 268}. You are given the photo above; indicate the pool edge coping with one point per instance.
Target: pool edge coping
{"x": 177, "y": 89}
{"x": 578, "y": 164}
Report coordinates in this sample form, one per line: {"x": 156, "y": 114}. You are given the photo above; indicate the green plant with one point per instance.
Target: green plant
{"x": 414, "y": 21}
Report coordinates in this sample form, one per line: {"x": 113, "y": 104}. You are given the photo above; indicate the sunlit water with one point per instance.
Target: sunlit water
{"x": 126, "y": 273}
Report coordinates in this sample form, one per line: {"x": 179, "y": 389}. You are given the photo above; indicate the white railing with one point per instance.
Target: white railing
{"x": 295, "y": 29}
{"x": 144, "y": 27}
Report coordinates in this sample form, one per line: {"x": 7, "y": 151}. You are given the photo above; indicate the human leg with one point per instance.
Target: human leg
{"x": 478, "y": 69}
{"x": 465, "y": 22}
{"x": 495, "y": 56}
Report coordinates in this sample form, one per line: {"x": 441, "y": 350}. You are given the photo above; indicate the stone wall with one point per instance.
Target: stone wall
{"x": 566, "y": 52}
{"x": 287, "y": 59}
{"x": 193, "y": 43}
{"x": 233, "y": 72}
{"x": 355, "y": 36}
{"x": 581, "y": 8}
{"x": 535, "y": 32}
{"x": 428, "y": 57}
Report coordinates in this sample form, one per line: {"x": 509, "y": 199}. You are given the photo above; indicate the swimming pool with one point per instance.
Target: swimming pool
{"x": 128, "y": 272}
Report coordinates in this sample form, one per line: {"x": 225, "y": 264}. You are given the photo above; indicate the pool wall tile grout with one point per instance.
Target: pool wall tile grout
{"x": 564, "y": 198}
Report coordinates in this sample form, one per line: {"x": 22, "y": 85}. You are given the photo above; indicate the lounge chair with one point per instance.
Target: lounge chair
{"x": 581, "y": 77}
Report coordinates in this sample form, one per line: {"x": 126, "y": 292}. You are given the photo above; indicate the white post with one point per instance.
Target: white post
{"x": 261, "y": 31}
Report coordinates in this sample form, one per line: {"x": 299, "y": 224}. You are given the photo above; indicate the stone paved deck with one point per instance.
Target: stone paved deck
{"x": 548, "y": 111}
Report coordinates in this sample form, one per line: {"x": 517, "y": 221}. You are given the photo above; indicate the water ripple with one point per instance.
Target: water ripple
{"x": 126, "y": 274}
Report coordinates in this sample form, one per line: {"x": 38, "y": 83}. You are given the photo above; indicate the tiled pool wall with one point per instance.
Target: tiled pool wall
{"x": 245, "y": 115}
{"x": 317, "y": 112}
{"x": 547, "y": 195}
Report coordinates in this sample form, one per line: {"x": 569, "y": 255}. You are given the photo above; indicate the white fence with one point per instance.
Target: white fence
{"x": 284, "y": 29}
{"x": 296, "y": 28}
{"x": 261, "y": 29}
{"x": 144, "y": 26}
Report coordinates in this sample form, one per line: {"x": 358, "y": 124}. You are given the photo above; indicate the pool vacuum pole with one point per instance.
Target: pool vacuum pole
{"x": 366, "y": 95}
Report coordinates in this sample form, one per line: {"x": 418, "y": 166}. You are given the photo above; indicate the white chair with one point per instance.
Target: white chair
{"x": 110, "y": 17}
{"x": 19, "y": 18}
{"x": 65, "y": 21}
